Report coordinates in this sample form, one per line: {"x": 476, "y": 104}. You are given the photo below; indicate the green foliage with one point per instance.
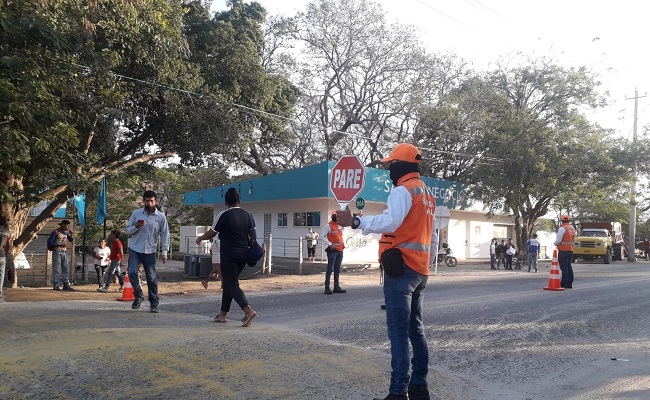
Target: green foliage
{"x": 90, "y": 89}
{"x": 229, "y": 49}
{"x": 534, "y": 148}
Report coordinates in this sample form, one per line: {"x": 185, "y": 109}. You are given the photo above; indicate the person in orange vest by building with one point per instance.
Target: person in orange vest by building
{"x": 564, "y": 239}
{"x": 408, "y": 237}
{"x": 333, "y": 239}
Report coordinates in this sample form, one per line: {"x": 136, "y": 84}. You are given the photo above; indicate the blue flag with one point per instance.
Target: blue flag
{"x": 101, "y": 203}
{"x": 79, "y": 202}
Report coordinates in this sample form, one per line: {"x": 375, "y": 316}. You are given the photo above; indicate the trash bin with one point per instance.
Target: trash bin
{"x": 205, "y": 266}
{"x": 194, "y": 269}
{"x": 188, "y": 260}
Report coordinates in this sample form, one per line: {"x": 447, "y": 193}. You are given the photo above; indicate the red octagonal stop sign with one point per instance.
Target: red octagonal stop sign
{"x": 347, "y": 179}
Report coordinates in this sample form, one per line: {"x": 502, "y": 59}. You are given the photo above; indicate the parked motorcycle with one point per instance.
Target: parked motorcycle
{"x": 445, "y": 254}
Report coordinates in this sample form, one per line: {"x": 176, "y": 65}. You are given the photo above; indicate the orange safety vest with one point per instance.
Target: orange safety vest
{"x": 413, "y": 237}
{"x": 568, "y": 238}
{"x": 335, "y": 235}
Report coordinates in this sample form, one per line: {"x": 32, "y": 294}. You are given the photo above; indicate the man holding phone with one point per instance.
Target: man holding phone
{"x": 144, "y": 227}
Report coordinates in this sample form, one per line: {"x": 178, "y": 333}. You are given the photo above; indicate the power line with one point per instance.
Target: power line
{"x": 201, "y": 97}
{"x": 490, "y": 9}
{"x": 448, "y": 16}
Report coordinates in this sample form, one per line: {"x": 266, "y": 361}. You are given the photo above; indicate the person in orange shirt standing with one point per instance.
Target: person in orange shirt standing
{"x": 333, "y": 239}
{"x": 564, "y": 239}
{"x": 408, "y": 236}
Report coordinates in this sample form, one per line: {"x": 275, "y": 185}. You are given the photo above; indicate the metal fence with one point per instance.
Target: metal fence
{"x": 276, "y": 247}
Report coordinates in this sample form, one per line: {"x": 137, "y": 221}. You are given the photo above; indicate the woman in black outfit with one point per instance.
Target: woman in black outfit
{"x": 236, "y": 229}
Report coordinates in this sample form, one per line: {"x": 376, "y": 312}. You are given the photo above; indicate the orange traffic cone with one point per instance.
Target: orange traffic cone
{"x": 127, "y": 290}
{"x": 554, "y": 279}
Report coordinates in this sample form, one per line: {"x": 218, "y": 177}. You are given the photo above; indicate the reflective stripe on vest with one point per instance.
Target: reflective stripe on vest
{"x": 415, "y": 246}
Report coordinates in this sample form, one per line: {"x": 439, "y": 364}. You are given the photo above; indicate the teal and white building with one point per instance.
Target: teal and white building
{"x": 285, "y": 205}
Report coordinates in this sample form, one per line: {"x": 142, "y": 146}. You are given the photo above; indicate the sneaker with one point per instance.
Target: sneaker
{"x": 153, "y": 309}
{"x": 328, "y": 290}
{"x": 102, "y": 289}
{"x": 68, "y": 288}
{"x": 136, "y": 303}
{"x": 56, "y": 287}
{"x": 120, "y": 289}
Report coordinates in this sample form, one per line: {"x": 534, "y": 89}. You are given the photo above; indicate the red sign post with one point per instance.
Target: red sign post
{"x": 347, "y": 179}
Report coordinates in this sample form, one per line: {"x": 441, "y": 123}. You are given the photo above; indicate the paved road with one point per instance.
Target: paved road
{"x": 493, "y": 335}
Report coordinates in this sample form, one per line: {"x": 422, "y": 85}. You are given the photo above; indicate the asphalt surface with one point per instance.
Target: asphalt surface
{"x": 492, "y": 334}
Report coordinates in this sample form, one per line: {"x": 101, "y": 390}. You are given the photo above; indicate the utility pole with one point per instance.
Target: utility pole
{"x": 631, "y": 253}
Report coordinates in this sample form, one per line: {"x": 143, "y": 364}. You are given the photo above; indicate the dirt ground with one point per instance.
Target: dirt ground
{"x": 170, "y": 285}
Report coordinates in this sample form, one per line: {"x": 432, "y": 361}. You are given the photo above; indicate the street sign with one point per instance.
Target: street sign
{"x": 347, "y": 179}
{"x": 360, "y": 203}
{"x": 442, "y": 217}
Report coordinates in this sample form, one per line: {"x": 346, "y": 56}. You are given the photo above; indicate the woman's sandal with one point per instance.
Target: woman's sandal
{"x": 219, "y": 318}
{"x": 246, "y": 321}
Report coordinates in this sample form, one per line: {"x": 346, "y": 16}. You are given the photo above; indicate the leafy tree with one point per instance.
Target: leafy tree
{"x": 229, "y": 49}
{"x": 364, "y": 78}
{"x": 90, "y": 88}
{"x": 453, "y": 133}
{"x": 548, "y": 147}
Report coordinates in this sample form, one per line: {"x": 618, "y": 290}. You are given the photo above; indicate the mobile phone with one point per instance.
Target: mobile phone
{"x": 141, "y": 220}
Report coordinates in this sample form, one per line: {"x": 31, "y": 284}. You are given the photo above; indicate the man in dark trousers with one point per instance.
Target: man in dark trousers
{"x": 501, "y": 254}
{"x": 564, "y": 239}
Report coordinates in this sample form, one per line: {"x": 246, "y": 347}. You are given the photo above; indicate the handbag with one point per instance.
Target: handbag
{"x": 255, "y": 251}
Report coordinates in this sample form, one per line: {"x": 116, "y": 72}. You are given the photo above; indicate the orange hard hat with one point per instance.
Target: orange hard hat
{"x": 404, "y": 152}
{"x": 566, "y": 217}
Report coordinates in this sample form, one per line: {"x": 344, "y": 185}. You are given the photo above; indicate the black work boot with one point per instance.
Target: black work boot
{"x": 418, "y": 392}
{"x": 394, "y": 397}
{"x": 337, "y": 289}
{"x": 66, "y": 286}
{"x": 327, "y": 289}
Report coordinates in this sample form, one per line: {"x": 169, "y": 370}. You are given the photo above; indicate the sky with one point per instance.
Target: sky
{"x": 606, "y": 37}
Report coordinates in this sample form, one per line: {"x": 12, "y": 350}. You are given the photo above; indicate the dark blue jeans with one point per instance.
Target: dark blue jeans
{"x": 564, "y": 259}
{"x": 404, "y": 296}
{"x": 493, "y": 258}
{"x": 334, "y": 261}
{"x": 149, "y": 263}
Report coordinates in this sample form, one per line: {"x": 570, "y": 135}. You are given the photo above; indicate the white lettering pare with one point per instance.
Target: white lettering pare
{"x": 347, "y": 179}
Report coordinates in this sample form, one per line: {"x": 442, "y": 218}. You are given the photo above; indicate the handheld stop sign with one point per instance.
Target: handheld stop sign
{"x": 347, "y": 179}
